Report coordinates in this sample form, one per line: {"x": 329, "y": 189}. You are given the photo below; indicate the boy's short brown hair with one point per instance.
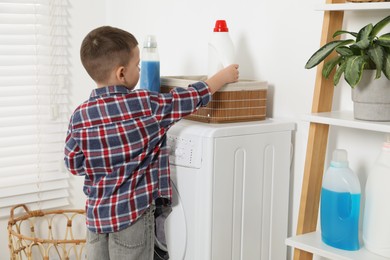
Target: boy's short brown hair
{"x": 105, "y": 48}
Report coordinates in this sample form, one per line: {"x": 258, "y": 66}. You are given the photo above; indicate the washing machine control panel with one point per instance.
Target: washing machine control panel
{"x": 185, "y": 150}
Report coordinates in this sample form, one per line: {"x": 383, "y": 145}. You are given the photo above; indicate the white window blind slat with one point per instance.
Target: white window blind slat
{"x": 45, "y": 2}
{"x": 24, "y": 19}
{"x": 42, "y": 2}
{"x": 8, "y": 60}
{"x": 31, "y": 70}
{"x": 26, "y": 1}
{"x": 30, "y": 50}
{"x": 31, "y": 80}
{"x": 31, "y": 90}
{"x": 30, "y": 159}
{"x": 33, "y": 197}
{"x": 47, "y": 171}
{"x": 12, "y": 111}
{"x": 19, "y": 189}
{"x": 40, "y": 120}
{"x": 42, "y": 205}
{"x": 42, "y": 100}
{"x": 38, "y": 6}
{"x": 30, "y": 149}
{"x": 25, "y": 29}
{"x": 12, "y": 8}
{"x": 33, "y": 104}
{"x": 28, "y": 39}
{"x": 12, "y": 141}
{"x": 42, "y": 129}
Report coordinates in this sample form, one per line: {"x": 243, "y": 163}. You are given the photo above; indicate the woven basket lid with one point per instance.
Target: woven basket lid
{"x": 242, "y": 84}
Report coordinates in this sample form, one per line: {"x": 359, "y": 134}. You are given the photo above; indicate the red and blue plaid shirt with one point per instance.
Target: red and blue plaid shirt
{"x": 117, "y": 140}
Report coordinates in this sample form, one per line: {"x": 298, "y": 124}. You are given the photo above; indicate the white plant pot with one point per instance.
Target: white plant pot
{"x": 371, "y": 98}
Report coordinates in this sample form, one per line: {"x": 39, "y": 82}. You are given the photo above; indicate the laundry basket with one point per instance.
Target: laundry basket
{"x": 240, "y": 101}
{"x": 55, "y": 234}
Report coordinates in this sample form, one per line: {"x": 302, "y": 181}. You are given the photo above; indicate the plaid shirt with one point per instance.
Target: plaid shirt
{"x": 117, "y": 140}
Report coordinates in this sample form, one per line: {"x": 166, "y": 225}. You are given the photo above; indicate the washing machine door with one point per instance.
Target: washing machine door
{"x": 175, "y": 226}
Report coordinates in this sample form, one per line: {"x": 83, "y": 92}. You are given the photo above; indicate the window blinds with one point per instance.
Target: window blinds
{"x": 33, "y": 103}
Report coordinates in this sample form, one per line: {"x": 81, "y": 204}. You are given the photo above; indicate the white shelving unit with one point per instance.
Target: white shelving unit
{"x": 311, "y": 241}
{"x": 346, "y": 119}
{"x": 353, "y": 6}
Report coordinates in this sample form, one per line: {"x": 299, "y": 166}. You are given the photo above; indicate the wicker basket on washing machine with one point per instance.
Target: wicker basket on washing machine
{"x": 52, "y": 234}
{"x": 245, "y": 100}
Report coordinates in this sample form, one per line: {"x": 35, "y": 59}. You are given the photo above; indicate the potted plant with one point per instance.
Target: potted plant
{"x": 366, "y": 52}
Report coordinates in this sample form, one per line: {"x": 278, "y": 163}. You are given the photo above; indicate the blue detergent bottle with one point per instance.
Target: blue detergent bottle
{"x": 340, "y": 204}
{"x": 150, "y": 65}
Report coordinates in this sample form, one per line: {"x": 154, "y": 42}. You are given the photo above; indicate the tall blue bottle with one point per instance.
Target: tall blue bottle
{"x": 340, "y": 204}
{"x": 150, "y": 65}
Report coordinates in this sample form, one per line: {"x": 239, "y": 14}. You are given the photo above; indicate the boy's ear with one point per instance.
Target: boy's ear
{"x": 120, "y": 74}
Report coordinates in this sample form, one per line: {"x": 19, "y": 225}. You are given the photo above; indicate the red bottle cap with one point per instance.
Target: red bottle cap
{"x": 221, "y": 26}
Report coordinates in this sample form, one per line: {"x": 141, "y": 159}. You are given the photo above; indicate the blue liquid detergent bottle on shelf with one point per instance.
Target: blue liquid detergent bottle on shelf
{"x": 150, "y": 65}
{"x": 340, "y": 204}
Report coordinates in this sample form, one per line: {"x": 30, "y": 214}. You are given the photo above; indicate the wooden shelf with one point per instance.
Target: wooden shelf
{"x": 345, "y": 119}
{"x": 353, "y": 6}
{"x": 311, "y": 242}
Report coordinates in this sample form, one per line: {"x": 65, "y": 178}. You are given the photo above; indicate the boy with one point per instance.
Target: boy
{"x": 117, "y": 141}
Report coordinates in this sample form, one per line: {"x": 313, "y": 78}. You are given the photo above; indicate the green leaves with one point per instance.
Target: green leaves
{"x": 384, "y": 40}
{"x": 354, "y": 70}
{"x": 329, "y": 66}
{"x": 340, "y": 32}
{"x": 379, "y": 26}
{"x": 368, "y": 51}
{"x": 340, "y": 70}
{"x": 324, "y": 51}
{"x": 386, "y": 65}
{"x": 363, "y": 40}
{"x": 364, "y": 32}
{"x": 344, "y": 51}
{"x": 376, "y": 54}
{"x": 363, "y": 44}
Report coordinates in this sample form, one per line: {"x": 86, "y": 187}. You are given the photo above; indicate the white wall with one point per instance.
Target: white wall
{"x": 273, "y": 39}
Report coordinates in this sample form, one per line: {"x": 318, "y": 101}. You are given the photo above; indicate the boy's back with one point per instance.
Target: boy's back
{"x": 117, "y": 140}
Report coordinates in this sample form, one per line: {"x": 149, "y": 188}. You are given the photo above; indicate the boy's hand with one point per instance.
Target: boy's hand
{"x": 227, "y": 75}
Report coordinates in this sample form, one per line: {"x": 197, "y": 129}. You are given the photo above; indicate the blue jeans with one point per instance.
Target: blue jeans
{"x": 136, "y": 242}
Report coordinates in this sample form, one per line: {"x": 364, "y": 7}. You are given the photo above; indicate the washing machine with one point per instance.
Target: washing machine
{"x": 230, "y": 190}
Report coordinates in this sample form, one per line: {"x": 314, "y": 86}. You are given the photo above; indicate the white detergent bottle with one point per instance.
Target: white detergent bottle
{"x": 340, "y": 204}
{"x": 221, "y": 49}
{"x": 376, "y": 218}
